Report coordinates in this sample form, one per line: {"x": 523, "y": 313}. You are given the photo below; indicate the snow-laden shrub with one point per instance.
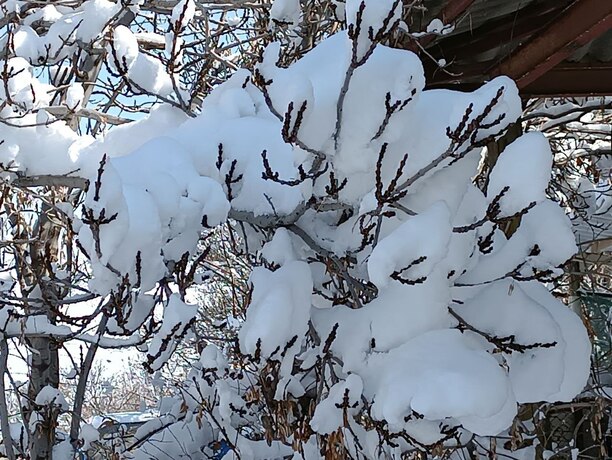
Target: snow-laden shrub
{"x": 395, "y": 305}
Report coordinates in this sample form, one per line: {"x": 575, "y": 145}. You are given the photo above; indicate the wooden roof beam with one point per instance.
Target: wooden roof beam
{"x": 580, "y": 23}
{"x": 566, "y": 79}
{"x": 573, "y": 79}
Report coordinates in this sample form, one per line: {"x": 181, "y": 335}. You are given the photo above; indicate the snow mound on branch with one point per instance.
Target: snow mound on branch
{"x": 531, "y": 249}
{"x": 178, "y": 317}
{"x": 525, "y": 167}
{"x": 538, "y": 373}
{"x": 280, "y": 249}
{"x": 88, "y": 434}
{"x": 69, "y": 26}
{"x": 21, "y": 87}
{"x": 50, "y": 396}
{"x": 95, "y": 14}
{"x": 342, "y": 396}
{"x": 142, "y": 70}
{"x": 280, "y": 297}
{"x": 374, "y": 15}
{"x": 420, "y": 242}
{"x": 575, "y": 348}
{"x": 183, "y": 11}
{"x": 286, "y": 11}
{"x": 125, "y": 48}
{"x": 159, "y": 202}
{"x": 439, "y": 374}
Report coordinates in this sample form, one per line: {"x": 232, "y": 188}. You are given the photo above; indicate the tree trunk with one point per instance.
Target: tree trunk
{"x": 44, "y": 369}
{"x": 4, "y": 415}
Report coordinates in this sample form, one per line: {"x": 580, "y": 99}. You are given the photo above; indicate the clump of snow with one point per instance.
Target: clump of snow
{"x": 124, "y": 49}
{"x": 343, "y": 398}
{"x": 531, "y": 249}
{"x": 378, "y": 16}
{"x": 50, "y": 396}
{"x": 144, "y": 71}
{"x": 525, "y": 168}
{"x": 280, "y": 249}
{"x": 148, "y": 218}
{"x": 75, "y": 96}
{"x": 95, "y": 14}
{"x": 183, "y": 11}
{"x": 535, "y": 374}
{"x": 178, "y": 317}
{"x": 435, "y": 26}
{"x": 288, "y": 11}
{"x": 69, "y": 27}
{"x": 416, "y": 376}
{"x": 281, "y": 297}
{"x": 420, "y": 242}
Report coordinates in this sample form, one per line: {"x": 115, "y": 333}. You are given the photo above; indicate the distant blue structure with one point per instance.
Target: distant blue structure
{"x": 221, "y": 449}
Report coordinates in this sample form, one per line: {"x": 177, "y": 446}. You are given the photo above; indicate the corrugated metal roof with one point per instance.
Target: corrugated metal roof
{"x": 599, "y": 49}
{"x": 483, "y": 11}
{"x": 478, "y": 13}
